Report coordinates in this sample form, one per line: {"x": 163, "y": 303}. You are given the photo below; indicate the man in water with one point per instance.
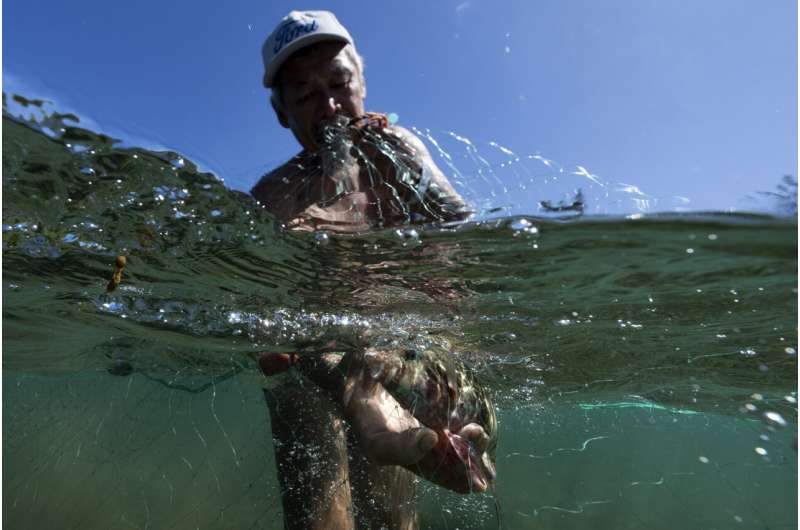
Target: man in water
{"x": 317, "y": 79}
{"x": 356, "y": 172}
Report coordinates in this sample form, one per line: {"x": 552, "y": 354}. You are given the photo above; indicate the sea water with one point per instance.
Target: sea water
{"x": 644, "y": 369}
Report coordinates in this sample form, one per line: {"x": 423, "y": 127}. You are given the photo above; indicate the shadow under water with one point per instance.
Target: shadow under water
{"x": 644, "y": 370}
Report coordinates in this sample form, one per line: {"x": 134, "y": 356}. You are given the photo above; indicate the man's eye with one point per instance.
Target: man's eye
{"x": 338, "y": 85}
{"x": 303, "y": 98}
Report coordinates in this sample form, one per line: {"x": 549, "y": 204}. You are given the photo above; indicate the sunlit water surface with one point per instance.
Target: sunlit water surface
{"x": 644, "y": 370}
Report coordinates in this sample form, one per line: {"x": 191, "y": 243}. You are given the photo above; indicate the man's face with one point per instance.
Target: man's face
{"x": 318, "y": 83}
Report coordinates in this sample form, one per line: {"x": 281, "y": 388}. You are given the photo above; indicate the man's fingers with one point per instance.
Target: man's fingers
{"x": 324, "y": 371}
{"x": 475, "y": 434}
{"x": 276, "y": 363}
{"x": 401, "y": 449}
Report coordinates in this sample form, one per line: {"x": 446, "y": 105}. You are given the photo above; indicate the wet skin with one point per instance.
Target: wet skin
{"x": 377, "y": 389}
{"x": 320, "y": 86}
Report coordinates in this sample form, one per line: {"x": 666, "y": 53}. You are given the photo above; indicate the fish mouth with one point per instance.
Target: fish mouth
{"x": 457, "y": 465}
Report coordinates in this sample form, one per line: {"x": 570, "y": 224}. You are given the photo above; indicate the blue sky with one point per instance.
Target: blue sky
{"x": 691, "y": 99}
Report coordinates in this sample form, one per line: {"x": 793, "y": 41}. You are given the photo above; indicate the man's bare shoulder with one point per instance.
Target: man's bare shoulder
{"x": 410, "y": 139}
{"x": 272, "y": 185}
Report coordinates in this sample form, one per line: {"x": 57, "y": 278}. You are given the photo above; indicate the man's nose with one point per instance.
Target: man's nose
{"x": 329, "y": 107}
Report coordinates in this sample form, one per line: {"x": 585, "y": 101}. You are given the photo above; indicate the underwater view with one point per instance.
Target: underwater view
{"x": 642, "y": 367}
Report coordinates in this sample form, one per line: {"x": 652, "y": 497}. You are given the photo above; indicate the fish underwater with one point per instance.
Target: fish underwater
{"x": 439, "y": 390}
{"x": 443, "y": 395}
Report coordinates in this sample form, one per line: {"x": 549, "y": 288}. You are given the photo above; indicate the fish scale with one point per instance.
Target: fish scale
{"x": 442, "y": 393}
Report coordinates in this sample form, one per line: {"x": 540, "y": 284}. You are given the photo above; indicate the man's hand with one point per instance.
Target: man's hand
{"x": 408, "y": 174}
{"x": 388, "y": 433}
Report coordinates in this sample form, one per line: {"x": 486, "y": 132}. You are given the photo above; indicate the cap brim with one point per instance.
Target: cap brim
{"x": 283, "y": 55}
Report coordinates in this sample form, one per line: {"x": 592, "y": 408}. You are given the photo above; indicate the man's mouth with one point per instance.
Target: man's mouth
{"x": 329, "y": 132}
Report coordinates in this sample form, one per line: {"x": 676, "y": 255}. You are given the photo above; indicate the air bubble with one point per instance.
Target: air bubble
{"x": 520, "y": 224}
{"x": 321, "y": 238}
{"x": 523, "y": 225}
{"x": 407, "y": 233}
{"x": 775, "y": 419}
{"x": 113, "y": 307}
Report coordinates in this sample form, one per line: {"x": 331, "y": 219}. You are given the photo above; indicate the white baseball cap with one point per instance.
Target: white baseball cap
{"x": 297, "y": 30}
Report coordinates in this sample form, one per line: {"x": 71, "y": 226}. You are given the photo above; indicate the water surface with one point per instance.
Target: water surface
{"x": 644, "y": 370}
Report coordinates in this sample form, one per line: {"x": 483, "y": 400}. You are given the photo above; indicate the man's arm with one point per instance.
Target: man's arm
{"x": 438, "y": 195}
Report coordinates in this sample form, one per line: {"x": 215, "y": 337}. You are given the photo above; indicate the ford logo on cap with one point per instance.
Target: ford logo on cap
{"x": 290, "y": 31}
{"x": 297, "y": 30}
